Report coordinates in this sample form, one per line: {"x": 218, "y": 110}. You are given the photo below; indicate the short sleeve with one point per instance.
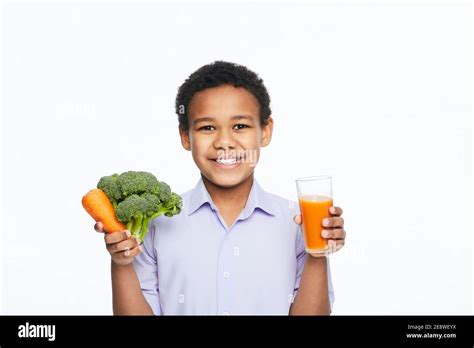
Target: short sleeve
{"x": 300, "y": 257}
{"x": 146, "y": 268}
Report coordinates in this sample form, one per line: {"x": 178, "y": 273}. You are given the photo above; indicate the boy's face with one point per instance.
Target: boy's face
{"x": 225, "y": 134}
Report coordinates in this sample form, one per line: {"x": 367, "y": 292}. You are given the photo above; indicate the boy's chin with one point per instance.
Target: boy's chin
{"x": 228, "y": 180}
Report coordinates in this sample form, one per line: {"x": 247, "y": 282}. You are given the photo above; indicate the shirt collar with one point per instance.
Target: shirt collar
{"x": 258, "y": 198}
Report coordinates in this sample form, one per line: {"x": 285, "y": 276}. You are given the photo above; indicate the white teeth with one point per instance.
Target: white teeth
{"x": 227, "y": 162}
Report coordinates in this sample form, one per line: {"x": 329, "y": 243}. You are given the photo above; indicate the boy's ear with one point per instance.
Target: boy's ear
{"x": 184, "y": 135}
{"x": 267, "y": 131}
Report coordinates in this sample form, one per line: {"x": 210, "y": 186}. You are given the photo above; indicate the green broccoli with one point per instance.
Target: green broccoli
{"x": 163, "y": 191}
{"x": 131, "y": 211}
{"x": 138, "y": 198}
{"x": 109, "y": 185}
{"x": 133, "y": 183}
{"x": 173, "y": 205}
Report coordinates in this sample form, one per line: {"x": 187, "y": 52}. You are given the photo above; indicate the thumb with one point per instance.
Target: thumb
{"x": 297, "y": 219}
{"x": 99, "y": 227}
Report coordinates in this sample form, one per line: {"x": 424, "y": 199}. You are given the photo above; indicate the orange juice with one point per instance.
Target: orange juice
{"x": 313, "y": 210}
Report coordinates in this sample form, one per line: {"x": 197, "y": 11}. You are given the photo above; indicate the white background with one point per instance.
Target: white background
{"x": 376, "y": 94}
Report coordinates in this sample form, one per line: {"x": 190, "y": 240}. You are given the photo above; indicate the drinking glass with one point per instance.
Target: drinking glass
{"x": 315, "y": 199}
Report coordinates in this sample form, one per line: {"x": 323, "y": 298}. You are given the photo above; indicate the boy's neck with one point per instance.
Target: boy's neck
{"x": 229, "y": 198}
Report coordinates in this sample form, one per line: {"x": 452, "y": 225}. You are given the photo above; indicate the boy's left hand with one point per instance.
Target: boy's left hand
{"x": 333, "y": 229}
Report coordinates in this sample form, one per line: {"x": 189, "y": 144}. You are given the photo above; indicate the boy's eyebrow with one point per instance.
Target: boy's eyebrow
{"x": 242, "y": 117}
{"x": 211, "y": 119}
{"x": 204, "y": 119}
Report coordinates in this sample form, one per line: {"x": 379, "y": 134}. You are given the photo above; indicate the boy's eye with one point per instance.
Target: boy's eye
{"x": 206, "y": 128}
{"x": 240, "y": 126}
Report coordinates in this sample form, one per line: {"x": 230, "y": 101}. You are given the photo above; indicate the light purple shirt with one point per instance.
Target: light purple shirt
{"x": 193, "y": 263}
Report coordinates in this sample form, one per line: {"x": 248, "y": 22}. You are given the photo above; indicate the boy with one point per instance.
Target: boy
{"x": 234, "y": 249}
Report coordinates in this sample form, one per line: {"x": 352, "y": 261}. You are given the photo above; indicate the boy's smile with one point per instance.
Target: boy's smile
{"x": 225, "y": 134}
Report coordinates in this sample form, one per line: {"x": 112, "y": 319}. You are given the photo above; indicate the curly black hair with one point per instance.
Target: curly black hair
{"x": 214, "y": 75}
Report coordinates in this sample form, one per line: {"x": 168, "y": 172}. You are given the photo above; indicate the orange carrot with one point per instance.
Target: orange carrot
{"x": 98, "y": 205}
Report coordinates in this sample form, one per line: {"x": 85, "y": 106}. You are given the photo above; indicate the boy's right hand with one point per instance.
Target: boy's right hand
{"x": 120, "y": 245}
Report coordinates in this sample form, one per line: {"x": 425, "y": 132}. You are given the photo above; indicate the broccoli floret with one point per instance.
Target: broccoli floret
{"x": 162, "y": 190}
{"x": 109, "y": 185}
{"x": 138, "y": 198}
{"x": 133, "y": 183}
{"x": 153, "y": 203}
{"x": 173, "y": 205}
{"x": 152, "y": 184}
{"x": 131, "y": 211}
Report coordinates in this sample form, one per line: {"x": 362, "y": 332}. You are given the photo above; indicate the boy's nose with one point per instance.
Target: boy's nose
{"x": 224, "y": 141}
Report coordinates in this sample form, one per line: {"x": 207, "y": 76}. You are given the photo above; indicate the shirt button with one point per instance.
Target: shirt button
{"x": 226, "y": 274}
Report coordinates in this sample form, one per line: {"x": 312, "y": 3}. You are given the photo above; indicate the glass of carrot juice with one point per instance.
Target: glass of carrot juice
{"x": 315, "y": 199}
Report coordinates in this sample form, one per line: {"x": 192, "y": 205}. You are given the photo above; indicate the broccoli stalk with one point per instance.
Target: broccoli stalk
{"x": 144, "y": 224}
{"x": 138, "y": 224}
{"x": 135, "y": 225}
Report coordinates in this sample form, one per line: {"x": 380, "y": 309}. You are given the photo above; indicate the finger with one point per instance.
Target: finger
{"x": 297, "y": 219}
{"x": 99, "y": 227}
{"x": 125, "y": 245}
{"x": 128, "y": 254}
{"x": 334, "y": 245}
{"x": 333, "y": 222}
{"x": 336, "y": 211}
{"x": 111, "y": 238}
{"x": 338, "y": 233}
